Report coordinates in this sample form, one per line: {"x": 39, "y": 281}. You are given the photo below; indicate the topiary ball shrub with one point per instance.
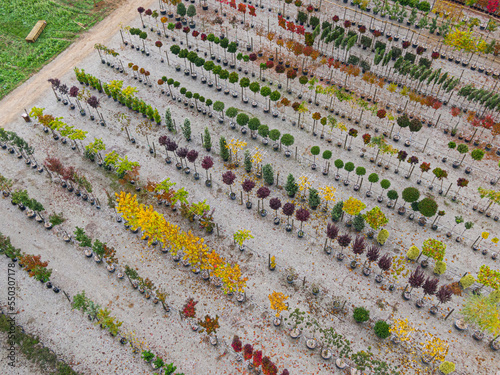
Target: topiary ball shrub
{"x": 410, "y": 194}
{"x": 427, "y": 207}
{"x": 447, "y": 367}
{"x": 361, "y": 314}
{"x": 382, "y": 329}
{"x": 382, "y": 236}
{"x": 440, "y": 267}
{"x": 413, "y": 252}
{"x": 467, "y": 281}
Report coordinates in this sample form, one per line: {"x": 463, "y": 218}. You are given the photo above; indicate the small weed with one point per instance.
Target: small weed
{"x": 56, "y": 219}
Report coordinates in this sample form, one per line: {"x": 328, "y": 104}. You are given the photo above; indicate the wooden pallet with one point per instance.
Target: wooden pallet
{"x": 36, "y": 31}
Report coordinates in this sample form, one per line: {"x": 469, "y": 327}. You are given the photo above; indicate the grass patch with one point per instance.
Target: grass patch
{"x": 20, "y": 59}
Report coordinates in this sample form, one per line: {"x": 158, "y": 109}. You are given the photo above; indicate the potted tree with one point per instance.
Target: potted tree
{"x": 297, "y": 318}
{"x": 288, "y": 210}
{"x": 301, "y": 215}
{"x": 247, "y": 187}
{"x": 430, "y": 288}
{"x": 262, "y": 193}
{"x": 410, "y": 195}
{"x": 275, "y": 204}
{"x": 372, "y": 178}
{"x": 376, "y": 219}
{"x": 428, "y": 208}
{"x": 228, "y": 178}
{"x": 314, "y": 199}
{"x": 360, "y": 172}
{"x": 210, "y": 326}
{"x": 415, "y": 280}
{"x": 240, "y": 237}
{"x": 372, "y": 255}
{"x": 291, "y": 186}
{"x": 314, "y": 151}
{"x": 361, "y": 315}
{"x": 384, "y": 263}
{"x": 443, "y": 295}
{"x": 277, "y": 301}
{"x": 358, "y": 248}
{"x": 343, "y": 242}
{"x": 481, "y": 312}
{"x": 206, "y": 164}
{"x": 332, "y": 232}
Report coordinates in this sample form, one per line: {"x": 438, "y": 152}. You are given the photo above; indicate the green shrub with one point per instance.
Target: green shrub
{"x": 447, "y": 367}
{"x": 248, "y": 161}
{"x": 410, "y": 194}
{"x": 409, "y": 57}
{"x": 359, "y": 223}
{"x": 365, "y": 65}
{"x": 337, "y": 211}
{"x": 382, "y": 329}
{"x": 392, "y": 194}
{"x": 361, "y": 314}
{"x": 494, "y": 297}
{"x": 274, "y": 134}
{"x": 268, "y": 174}
{"x": 424, "y": 6}
{"x": 413, "y": 252}
{"x": 353, "y": 60}
{"x": 366, "y": 41}
{"x": 314, "y": 199}
{"x": 291, "y": 186}
{"x": 440, "y": 267}
{"x": 427, "y": 207}
{"x": 224, "y": 151}
{"x": 147, "y": 355}
{"x": 382, "y": 236}
{"x": 56, "y": 219}
{"x": 467, "y": 281}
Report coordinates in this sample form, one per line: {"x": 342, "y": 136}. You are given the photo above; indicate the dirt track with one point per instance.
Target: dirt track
{"x": 26, "y": 94}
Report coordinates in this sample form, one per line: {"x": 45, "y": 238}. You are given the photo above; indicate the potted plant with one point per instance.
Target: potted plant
{"x": 228, "y": 178}
{"x": 446, "y": 367}
{"x": 410, "y": 195}
{"x": 382, "y": 329}
{"x": 301, "y": 215}
{"x": 372, "y": 255}
{"x": 358, "y": 247}
{"x": 247, "y": 187}
{"x": 415, "y": 280}
{"x": 343, "y": 242}
{"x": 262, "y": 193}
{"x": 158, "y": 363}
{"x": 430, "y": 288}
{"x": 206, "y": 164}
{"x": 210, "y": 326}
{"x": 384, "y": 263}
{"x": 275, "y": 204}
{"x": 288, "y": 210}
{"x": 240, "y": 237}
{"x": 443, "y": 295}
{"x": 291, "y": 275}
{"x": 277, "y": 301}
{"x": 361, "y": 315}
{"x": 147, "y": 356}
{"x": 297, "y": 318}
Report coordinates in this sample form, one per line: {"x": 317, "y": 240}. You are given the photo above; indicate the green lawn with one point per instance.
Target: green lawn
{"x": 19, "y": 59}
